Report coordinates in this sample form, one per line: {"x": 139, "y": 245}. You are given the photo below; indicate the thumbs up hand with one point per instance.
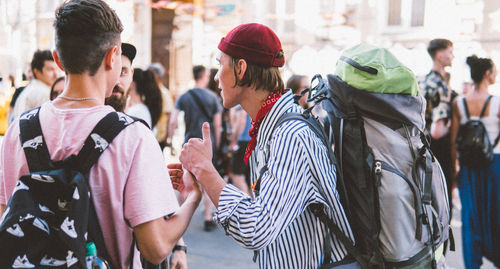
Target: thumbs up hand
{"x": 197, "y": 153}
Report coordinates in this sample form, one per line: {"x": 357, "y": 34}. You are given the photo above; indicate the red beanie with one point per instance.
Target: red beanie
{"x": 256, "y": 43}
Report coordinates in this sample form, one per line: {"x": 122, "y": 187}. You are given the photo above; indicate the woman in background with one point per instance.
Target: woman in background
{"x": 145, "y": 101}
{"x": 479, "y": 187}
{"x": 56, "y": 88}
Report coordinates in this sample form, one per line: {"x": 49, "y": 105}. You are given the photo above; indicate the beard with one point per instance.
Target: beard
{"x": 117, "y": 101}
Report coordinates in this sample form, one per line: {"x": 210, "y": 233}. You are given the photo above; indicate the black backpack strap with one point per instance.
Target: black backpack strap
{"x": 317, "y": 209}
{"x": 484, "y": 106}
{"x": 313, "y": 124}
{"x": 32, "y": 141}
{"x": 197, "y": 100}
{"x": 319, "y": 212}
{"x": 483, "y": 110}
{"x": 466, "y": 109}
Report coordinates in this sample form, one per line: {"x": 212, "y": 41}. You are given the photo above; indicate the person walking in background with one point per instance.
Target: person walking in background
{"x": 221, "y": 156}
{"x": 56, "y": 88}
{"x": 298, "y": 83}
{"x": 200, "y": 105}
{"x": 144, "y": 99}
{"x": 479, "y": 187}
{"x": 438, "y": 113}
{"x": 240, "y": 171}
{"x": 278, "y": 224}
{"x": 45, "y": 72}
{"x": 168, "y": 105}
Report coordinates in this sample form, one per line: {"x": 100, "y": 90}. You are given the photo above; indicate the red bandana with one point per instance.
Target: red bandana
{"x": 254, "y": 130}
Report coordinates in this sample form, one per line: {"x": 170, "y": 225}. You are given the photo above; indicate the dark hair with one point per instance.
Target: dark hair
{"x": 438, "y": 44}
{"x": 478, "y": 67}
{"x": 145, "y": 85}
{"x": 198, "y": 71}
{"x": 85, "y": 30}
{"x": 294, "y": 83}
{"x": 212, "y": 84}
{"x": 53, "y": 94}
{"x": 260, "y": 77}
{"x": 39, "y": 58}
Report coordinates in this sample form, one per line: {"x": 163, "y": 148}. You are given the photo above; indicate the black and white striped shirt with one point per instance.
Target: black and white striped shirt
{"x": 278, "y": 223}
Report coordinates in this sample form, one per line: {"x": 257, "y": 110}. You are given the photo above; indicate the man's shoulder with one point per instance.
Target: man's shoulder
{"x": 433, "y": 80}
{"x": 294, "y": 129}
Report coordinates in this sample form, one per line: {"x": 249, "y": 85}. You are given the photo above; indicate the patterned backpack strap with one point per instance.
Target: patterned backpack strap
{"x": 32, "y": 141}
{"x": 101, "y": 137}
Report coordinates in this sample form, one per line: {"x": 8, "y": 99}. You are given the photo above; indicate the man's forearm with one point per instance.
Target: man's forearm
{"x": 183, "y": 216}
{"x": 212, "y": 183}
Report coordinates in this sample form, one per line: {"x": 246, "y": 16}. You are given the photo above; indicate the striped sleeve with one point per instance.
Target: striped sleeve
{"x": 285, "y": 194}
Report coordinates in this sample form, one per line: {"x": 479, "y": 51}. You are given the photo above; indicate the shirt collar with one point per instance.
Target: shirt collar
{"x": 268, "y": 123}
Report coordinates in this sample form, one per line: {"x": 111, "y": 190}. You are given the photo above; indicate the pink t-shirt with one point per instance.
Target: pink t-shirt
{"x": 130, "y": 184}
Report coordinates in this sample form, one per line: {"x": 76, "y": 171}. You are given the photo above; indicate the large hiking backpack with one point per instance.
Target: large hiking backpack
{"x": 473, "y": 143}
{"x": 392, "y": 188}
{"x": 50, "y": 216}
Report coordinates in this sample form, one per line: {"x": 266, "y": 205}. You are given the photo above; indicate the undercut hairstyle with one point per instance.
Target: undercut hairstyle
{"x": 478, "y": 67}
{"x": 84, "y": 31}
{"x": 293, "y": 83}
{"x": 39, "y": 58}
{"x": 198, "y": 71}
{"x": 147, "y": 88}
{"x": 438, "y": 44}
{"x": 259, "y": 77}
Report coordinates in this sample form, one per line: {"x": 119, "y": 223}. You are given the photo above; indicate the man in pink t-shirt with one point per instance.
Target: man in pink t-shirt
{"x": 130, "y": 185}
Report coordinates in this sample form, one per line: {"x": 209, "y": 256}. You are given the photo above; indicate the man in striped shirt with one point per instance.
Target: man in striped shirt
{"x": 290, "y": 160}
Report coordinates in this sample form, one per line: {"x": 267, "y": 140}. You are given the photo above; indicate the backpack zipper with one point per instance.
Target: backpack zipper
{"x": 379, "y": 165}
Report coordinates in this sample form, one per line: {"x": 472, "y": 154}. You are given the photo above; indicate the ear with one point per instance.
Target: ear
{"x": 37, "y": 73}
{"x": 55, "y": 55}
{"x": 110, "y": 58}
{"x": 241, "y": 68}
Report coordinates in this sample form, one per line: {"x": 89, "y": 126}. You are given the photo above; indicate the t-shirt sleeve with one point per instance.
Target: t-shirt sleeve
{"x": 12, "y": 162}
{"x": 148, "y": 193}
{"x": 179, "y": 104}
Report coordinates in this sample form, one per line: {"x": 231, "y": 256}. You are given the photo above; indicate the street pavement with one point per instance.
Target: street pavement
{"x": 214, "y": 249}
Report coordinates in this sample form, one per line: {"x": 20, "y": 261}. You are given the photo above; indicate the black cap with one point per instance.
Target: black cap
{"x": 129, "y": 51}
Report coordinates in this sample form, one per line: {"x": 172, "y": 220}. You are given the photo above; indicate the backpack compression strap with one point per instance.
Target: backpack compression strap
{"x": 32, "y": 141}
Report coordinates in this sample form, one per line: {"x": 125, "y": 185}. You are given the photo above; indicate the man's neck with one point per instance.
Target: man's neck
{"x": 200, "y": 85}
{"x": 82, "y": 86}
{"x": 253, "y": 101}
{"x": 439, "y": 68}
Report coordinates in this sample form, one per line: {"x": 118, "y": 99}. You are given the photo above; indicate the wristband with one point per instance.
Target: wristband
{"x": 179, "y": 247}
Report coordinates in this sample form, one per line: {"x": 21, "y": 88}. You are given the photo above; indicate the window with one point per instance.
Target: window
{"x": 394, "y": 13}
{"x": 417, "y": 13}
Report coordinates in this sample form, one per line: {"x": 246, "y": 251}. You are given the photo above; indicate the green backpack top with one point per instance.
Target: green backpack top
{"x": 373, "y": 69}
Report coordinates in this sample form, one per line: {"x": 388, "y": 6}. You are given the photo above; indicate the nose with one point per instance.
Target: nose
{"x": 216, "y": 77}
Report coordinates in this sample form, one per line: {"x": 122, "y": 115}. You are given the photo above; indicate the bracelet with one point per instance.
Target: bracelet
{"x": 179, "y": 247}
